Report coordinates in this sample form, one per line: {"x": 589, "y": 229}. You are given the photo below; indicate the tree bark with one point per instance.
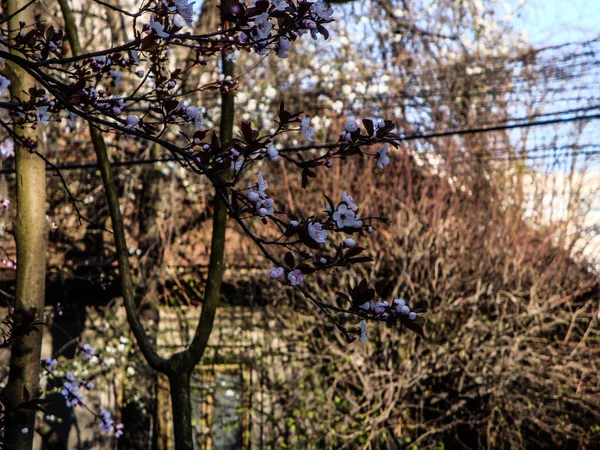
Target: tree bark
{"x": 31, "y": 235}
{"x": 179, "y": 382}
{"x": 182, "y": 407}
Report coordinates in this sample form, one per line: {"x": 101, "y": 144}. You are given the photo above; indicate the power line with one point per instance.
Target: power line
{"x": 83, "y": 166}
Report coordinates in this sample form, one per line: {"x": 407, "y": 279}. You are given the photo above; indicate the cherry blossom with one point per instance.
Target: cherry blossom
{"x": 317, "y": 233}
{"x": 87, "y": 351}
{"x": 195, "y": 114}
{"x": 346, "y": 218}
{"x": 349, "y": 242}
{"x": 262, "y": 203}
{"x": 132, "y": 121}
{"x": 4, "y": 83}
{"x": 42, "y": 115}
{"x": 7, "y": 148}
{"x": 273, "y": 154}
{"x": 349, "y": 201}
{"x": 351, "y": 126}
{"x": 280, "y": 5}
{"x": 323, "y": 10}
{"x": 70, "y": 391}
{"x": 368, "y": 305}
{"x": 306, "y": 129}
{"x": 49, "y": 364}
{"x": 158, "y": 28}
{"x": 363, "y": 331}
{"x": 295, "y": 277}
{"x": 382, "y": 157}
{"x": 185, "y": 10}
{"x": 284, "y": 47}
{"x": 381, "y": 308}
{"x": 108, "y": 426}
{"x": 276, "y": 272}
{"x": 237, "y": 161}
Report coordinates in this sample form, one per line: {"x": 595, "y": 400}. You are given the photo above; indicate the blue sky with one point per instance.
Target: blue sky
{"x": 549, "y": 22}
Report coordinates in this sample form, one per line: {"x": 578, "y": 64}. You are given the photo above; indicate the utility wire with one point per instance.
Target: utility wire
{"x": 136, "y": 162}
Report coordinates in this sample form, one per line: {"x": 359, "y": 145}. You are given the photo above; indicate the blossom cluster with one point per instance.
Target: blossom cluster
{"x": 382, "y": 310}
{"x": 107, "y": 425}
{"x": 73, "y": 389}
{"x": 276, "y": 25}
{"x": 262, "y": 203}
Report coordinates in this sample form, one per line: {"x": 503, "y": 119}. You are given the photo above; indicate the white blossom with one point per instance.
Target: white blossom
{"x": 317, "y": 233}
{"x": 273, "y": 154}
{"x": 349, "y": 201}
{"x": 363, "y": 331}
{"x": 382, "y": 158}
{"x": 178, "y": 21}
{"x": 7, "y": 148}
{"x": 236, "y": 160}
{"x": 4, "y": 83}
{"x": 398, "y": 303}
{"x": 349, "y": 242}
{"x": 306, "y": 129}
{"x": 323, "y": 10}
{"x": 261, "y": 18}
{"x": 42, "y": 115}
{"x": 195, "y": 114}
{"x": 412, "y": 315}
{"x": 132, "y": 120}
{"x": 185, "y": 10}
{"x": 345, "y": 217}
{"x": 351, "y": 126}
{"x": 284, "y": 47}
{"x": 262, "y": 30}
{"x": 279, "y": 5}
{"x": 158, "y": 28}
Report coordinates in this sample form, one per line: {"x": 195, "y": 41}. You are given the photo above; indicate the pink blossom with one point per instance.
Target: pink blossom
{"x": 381, "y": 308}
{"x": 276, "y": 272}
{"x": 382, "y": 157}
{"x": 295, "y": 277}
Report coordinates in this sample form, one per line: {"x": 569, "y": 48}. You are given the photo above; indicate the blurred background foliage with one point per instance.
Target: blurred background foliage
{"x": 491, "y": 234}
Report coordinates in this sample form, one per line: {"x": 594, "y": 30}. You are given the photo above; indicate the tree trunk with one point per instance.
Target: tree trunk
{"x": 31, "y": 235}
{"x": 181, "y": 402}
